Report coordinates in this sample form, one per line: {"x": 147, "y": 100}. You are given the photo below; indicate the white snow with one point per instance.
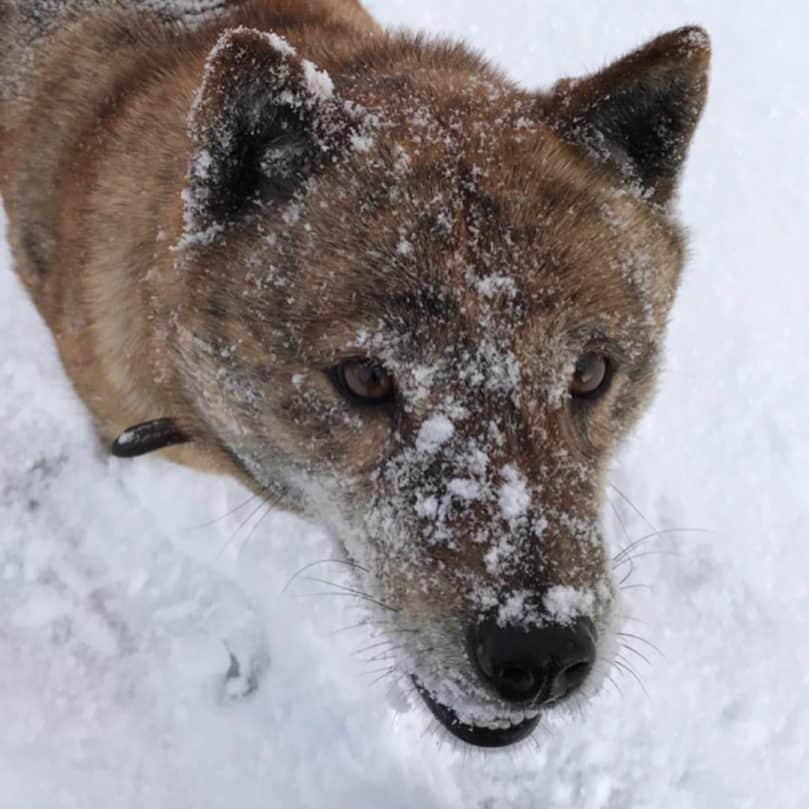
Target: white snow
{"x": 514, "y": 609}
{"x": 279, "y": 43}
{"x": 318, "y": 82}
{"x": 361, "y": 143}
{"x": 513, "y": 494}
{"x": 564, "y": 604}
{"x": 405, "y": 247}
{"x": 129, "y": 588}
{"x": 464, "y": 488}
{"x": 493, "y": 284}
{"x": 434, "y": 433}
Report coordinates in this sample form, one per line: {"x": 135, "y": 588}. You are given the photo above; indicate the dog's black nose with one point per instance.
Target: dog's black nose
{"x": 539, "y": 664}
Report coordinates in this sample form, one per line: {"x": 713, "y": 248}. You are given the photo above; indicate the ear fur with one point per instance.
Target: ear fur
{"x": 639, "y": 114}
{"x": 262, "y": 120}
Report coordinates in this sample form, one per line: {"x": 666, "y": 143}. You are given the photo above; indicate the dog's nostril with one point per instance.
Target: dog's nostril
{"x": 516, "y": 676}
{"x": 537, "y": 664}
{"x": 521, "y": 681}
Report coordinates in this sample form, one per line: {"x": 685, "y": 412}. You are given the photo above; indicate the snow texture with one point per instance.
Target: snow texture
{"x": 434, "y": 433}
{"x": 318, "y": 82}
{"x": 160, "y": 651}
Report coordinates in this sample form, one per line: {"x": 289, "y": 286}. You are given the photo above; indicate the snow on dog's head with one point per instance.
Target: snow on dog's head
{"x": 427, "y": 315}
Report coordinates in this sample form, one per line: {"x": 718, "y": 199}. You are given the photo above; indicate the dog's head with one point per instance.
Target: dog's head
{"x": 425, "y": 306}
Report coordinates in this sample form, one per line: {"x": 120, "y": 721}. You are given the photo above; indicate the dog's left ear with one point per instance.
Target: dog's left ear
{"x": 262, "y": 121}
{"x": 639, "y": 114}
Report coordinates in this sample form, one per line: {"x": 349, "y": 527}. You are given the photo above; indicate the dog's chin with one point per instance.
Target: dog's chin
{"x": 477, "y": 735}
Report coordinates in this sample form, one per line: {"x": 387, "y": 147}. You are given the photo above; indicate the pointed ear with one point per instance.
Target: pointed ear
{"x": 639, "y": 114}
{"x": 262, "y": 121}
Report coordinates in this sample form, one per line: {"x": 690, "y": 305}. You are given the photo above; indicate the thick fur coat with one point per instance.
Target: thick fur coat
{"x": 377, "y": 282}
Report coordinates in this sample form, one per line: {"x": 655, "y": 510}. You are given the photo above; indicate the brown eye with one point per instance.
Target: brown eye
{"x": 364, "y": 380}
{"x": 591, "y": 377}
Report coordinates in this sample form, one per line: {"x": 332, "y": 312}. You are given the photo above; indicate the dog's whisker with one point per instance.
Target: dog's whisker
{"x": 386, "y": 671}
{"x": 224, "y": 516}
{"x": 372, "y": 622}
{"x": 624, "y": 666}
{"x": 333, "y": 594}
{"x": 348, "y": 594}
{"x": 388, "y": 654}
{"x": 641, "y": 640}
{"x": 604, "y": 668}
{"x": 241, "y": 525}
{"x": 633, "y": 619}
{"x": 628, "y": 574}
{"x": 637, "y": 653}
{"x": 611, "y": 680}
{"x": 662, "y": 533}
{"x": 345, "y": 562}
{"x": 267, "y": 512}
{"x": 380, "y": 658}
{"x": 654, "y": 536}
{"x": 620, "y": 520}
{"x": 643, "y": 554}
{"x": 371, "y": 647}
{"x": 352, "y": 591}
{"x": 632, "y": 506}
{"x": 382, "y": 677}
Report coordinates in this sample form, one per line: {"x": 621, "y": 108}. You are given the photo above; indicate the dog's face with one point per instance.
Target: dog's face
{"x": 432, "y": 331}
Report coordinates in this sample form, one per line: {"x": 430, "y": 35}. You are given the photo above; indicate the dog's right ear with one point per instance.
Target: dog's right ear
{"x": 262, "y": 121}
{"x": 638, "y": 115}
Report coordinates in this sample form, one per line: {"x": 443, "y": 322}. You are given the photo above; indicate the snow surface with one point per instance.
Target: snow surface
{"x": 157, "y": 651}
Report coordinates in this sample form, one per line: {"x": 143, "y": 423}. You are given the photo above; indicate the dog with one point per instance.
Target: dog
{"x": 378, "y": 283}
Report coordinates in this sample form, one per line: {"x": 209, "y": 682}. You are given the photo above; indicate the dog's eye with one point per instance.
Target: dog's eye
{"x": 591, "y": 377}
{"x": 364, "y": 380}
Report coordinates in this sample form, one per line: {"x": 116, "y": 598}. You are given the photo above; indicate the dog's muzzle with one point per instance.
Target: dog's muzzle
{"x": 527, "y": 668}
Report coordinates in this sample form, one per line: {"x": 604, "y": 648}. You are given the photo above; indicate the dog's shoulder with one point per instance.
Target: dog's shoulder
{"x": 28, "y": 26}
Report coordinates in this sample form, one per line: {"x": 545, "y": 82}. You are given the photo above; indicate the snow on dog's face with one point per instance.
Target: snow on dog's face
{"x": 427, "y": 316}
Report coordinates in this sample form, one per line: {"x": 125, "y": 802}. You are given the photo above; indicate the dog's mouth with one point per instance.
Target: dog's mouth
{"x": 477, "y": 735}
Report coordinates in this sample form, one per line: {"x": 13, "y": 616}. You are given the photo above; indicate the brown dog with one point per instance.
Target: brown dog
{"x": 392, "y": 290}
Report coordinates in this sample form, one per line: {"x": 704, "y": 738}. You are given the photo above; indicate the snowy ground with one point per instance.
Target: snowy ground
{"x": 123, "y": 585}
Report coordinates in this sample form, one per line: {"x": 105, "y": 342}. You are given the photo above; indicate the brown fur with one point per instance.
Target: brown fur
{"x": 455, "y": 223}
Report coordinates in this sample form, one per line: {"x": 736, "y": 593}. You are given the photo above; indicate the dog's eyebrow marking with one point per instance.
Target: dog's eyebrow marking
{"x": 148, "y": 437}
